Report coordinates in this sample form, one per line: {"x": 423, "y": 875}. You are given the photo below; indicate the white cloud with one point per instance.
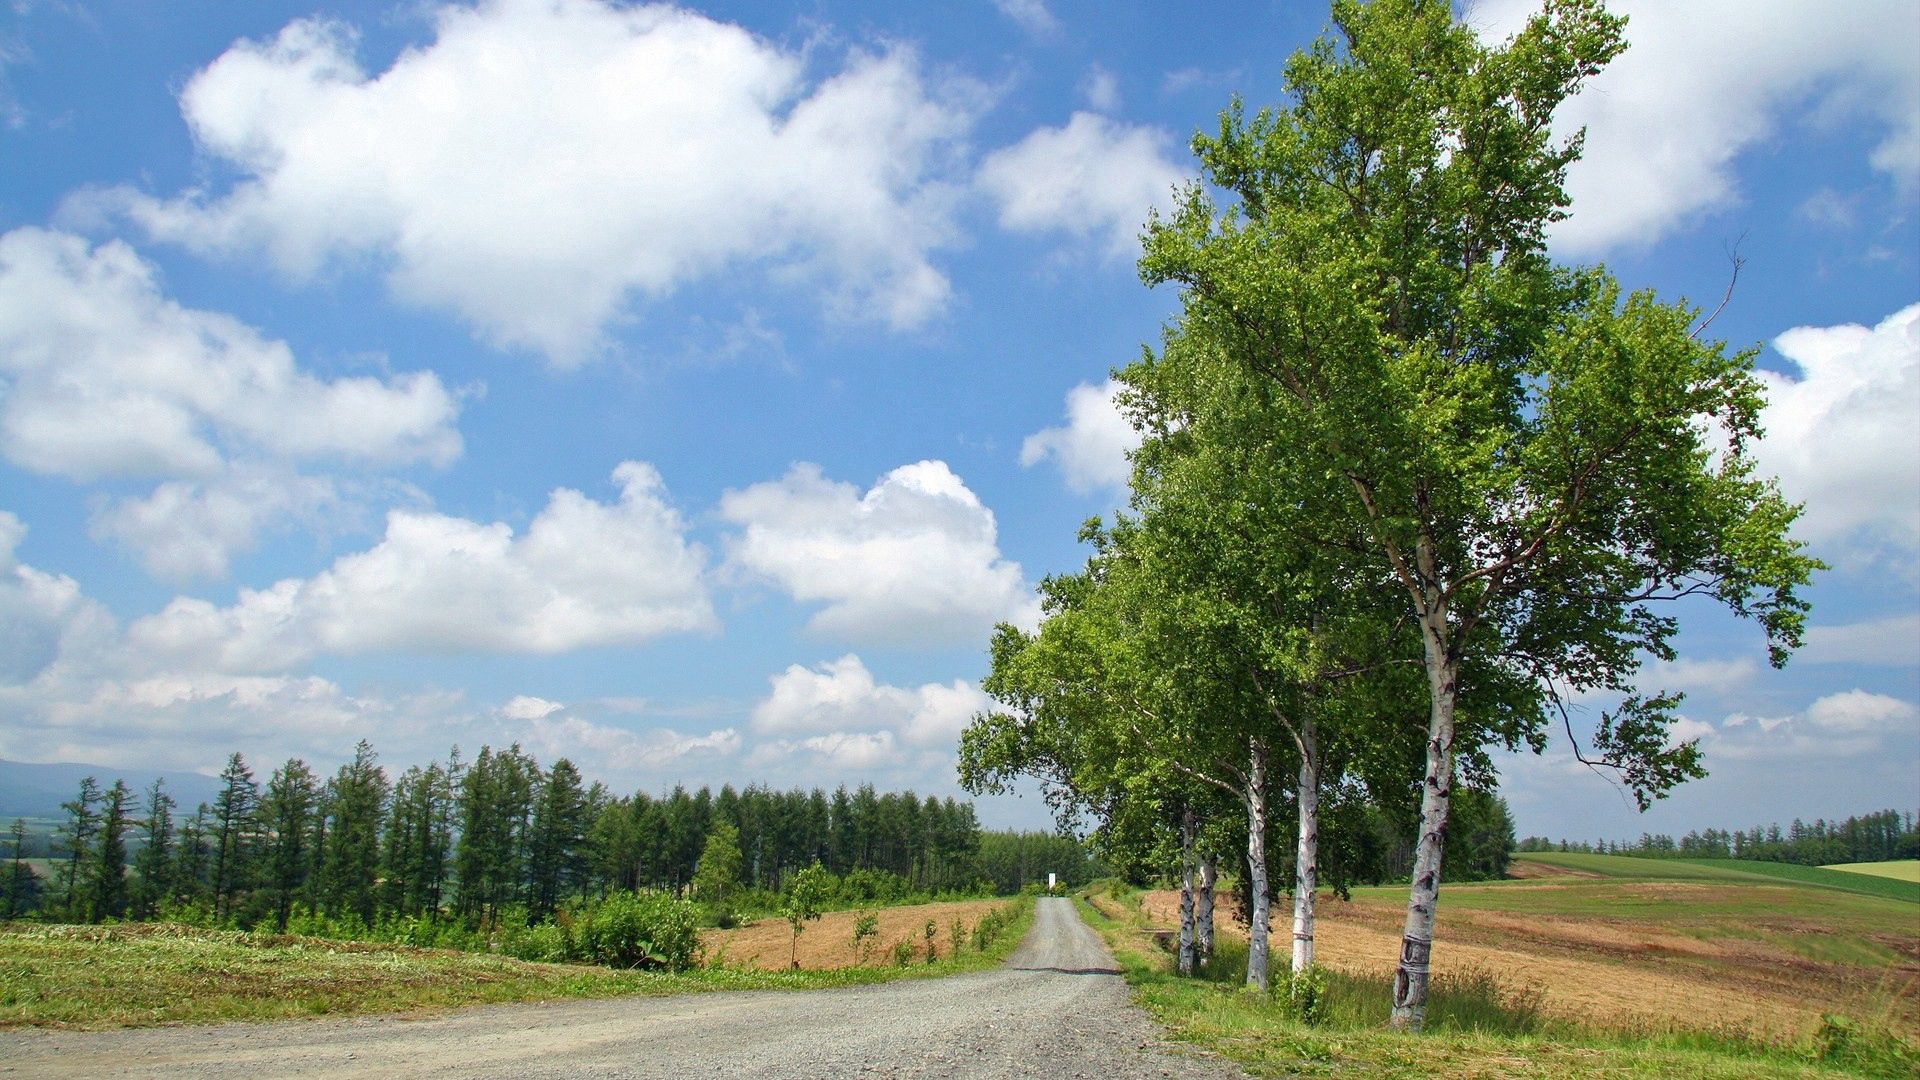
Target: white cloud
{"x": 102, "y": 375}
{"x": 105, "y": 376}
{"x": 915, "y": 557}
{"x": 1889, "y": 642}
{"x": 1850, "y": 724}
{"x": 1861, "y": 711}
{"x": 1842, "y": 436}
{"x": 1703, "y": 82}
{"x": 582, "y": 574}
{"x": 602, "y": 746}
{"x": 841, "y": 696}
{"x": 543, "y": 162}
{"x": 42, "y": 615}
{"x": 1101, "y": 89}
{"x": 1091, "y": 449}
{"x": 1095, "y": 179}
{"x": 527, "y": 707}
{"x": 1686, "y": 729}
{"x": 191, "y": 529}
{"x": 1031, "y": 15}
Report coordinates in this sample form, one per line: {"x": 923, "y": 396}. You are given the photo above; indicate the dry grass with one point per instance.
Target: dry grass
{"x": 1635, "y": 974}
{"x": 827, "y": 943}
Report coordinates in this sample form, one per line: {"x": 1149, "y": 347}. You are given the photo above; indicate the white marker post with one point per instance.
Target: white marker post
{"x": 1049, "y": 881}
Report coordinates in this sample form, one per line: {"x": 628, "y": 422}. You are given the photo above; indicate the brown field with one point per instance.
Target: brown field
{"x": 1633, "y": 973}
{"x": 828, "y": 942}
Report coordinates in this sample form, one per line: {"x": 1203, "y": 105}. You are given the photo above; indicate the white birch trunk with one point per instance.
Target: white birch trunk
{"x": 1307, "y": 854}
{"x": 1203, "y": 908}
{"x": 1416, "y": 943}
{"x": 1184, "y": 963}
{"x": 1257, "y": 929}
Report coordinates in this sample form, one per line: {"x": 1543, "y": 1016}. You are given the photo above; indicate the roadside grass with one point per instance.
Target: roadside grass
{"x": 1730, "y": 870}
{"x": 1898, "y": 869}
{"x": 142, "y": 974}
{"x": 1475, "y": 1025}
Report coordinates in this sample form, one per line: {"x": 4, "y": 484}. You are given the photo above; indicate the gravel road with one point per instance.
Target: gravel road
{"x": 1056, "y": 1010}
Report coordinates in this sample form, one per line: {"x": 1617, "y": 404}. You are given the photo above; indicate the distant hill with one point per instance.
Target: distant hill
{"x": 31, "y": 790}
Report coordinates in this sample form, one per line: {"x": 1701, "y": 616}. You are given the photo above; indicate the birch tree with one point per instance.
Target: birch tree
{"x": 1530, "y": 458}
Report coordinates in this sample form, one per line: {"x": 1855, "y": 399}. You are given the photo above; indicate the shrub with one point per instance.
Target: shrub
{"x": 547, "y": 943}
{"x": 645, "y": 929}
{"x": 864, "y": 927}
{"x": 903, "y": 952}
{"x": 1306, "y": 994}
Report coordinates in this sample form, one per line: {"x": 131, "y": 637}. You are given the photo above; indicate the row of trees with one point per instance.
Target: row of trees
{"x": 1876, "y": 837}
{"x": 1404, "y": 485}
{"x": 468, "y": 839}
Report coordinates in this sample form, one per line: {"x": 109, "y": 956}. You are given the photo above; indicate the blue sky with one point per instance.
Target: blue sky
{"x": 687, "y": 391}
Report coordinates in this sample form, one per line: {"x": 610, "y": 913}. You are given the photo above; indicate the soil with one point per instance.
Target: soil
{"x": 1604, "y": 972}
{"x": 828, "y": 942}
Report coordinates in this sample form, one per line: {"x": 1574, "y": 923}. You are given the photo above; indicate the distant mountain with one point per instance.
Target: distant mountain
{"x": 30, "y": 790}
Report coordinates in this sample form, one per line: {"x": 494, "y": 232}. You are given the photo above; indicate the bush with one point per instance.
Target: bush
{"x": 903, "y": 952}
{"x": 1306, "y": 994}
{"x": 645, "y": 929}
{"x": 546, "y": 943}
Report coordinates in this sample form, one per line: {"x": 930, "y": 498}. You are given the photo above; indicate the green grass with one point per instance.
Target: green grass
{"x": 1474, "y": 1028}
{"x": 1730, "y": 870}
{"x": 1898, "y": 869}
{"x": 155, "y": 973}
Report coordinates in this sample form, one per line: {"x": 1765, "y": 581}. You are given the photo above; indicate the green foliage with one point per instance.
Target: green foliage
{"x": 645, "y": 929}
{"x": 806, "y": 891}
{"x": 903, "y": 952}
{"x": 1305, "y": 993}
{"x": 865, "y": 928}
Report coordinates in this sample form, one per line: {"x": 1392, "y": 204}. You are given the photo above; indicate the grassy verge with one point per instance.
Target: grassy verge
{"x": 155, "y": 973}
{"x": 1475, "y": 1028}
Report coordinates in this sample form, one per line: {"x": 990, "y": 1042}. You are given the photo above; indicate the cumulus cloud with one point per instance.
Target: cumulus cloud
{"x": 1101, "y": 89}
{"x": 191, "y": 529}
{"x": 1703, "y": 82}
{"x": 1841, "y": 436}
{"x": 915, "y": 557}
{"x": 542, "y": 162}
{"x": 604, "y": 746}
{"x": 1091, "y": 448}
{"x": 527, "y": 707}
{"x": 583, "y": 573}
{"x": 1851, "y": 723}
{"x": 1094, "y": 179}
{"x": 841, "y": 696}
{"x": 105, "y": 376}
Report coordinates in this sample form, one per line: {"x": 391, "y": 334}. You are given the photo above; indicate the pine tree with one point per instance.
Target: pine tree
{"x": 76, "y": 838}
{"x": 351, "y": 859}
{"x": 233, "y": 836}
{"x": 22, "y": 892}
{"x": 286, "y": 819}
{"x": 107, "y": 878}
{"x": 153, "y": 866}
{"x": 554, "y": 862}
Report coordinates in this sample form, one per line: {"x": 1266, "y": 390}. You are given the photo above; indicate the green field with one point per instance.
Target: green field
{"x": 1898, "y": 869}
{"x": 139, "y": 974}
{"x": 1729, "y": 870}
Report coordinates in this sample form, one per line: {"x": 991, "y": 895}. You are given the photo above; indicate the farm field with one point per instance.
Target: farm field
{"x": 1723, "y": 870}
{"x": 827, "y": 943}
{"x": 1898, "y": 869}
{"x": 1578, "y": 949}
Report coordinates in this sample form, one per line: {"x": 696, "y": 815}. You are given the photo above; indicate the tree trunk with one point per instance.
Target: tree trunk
{"x": 1184, "y": 963}
{"x": 1203, "y": 908}
{"x": 1307, "y": 854}
{"x": 1416, "y": 943}
{"x": 1256, "y": 795}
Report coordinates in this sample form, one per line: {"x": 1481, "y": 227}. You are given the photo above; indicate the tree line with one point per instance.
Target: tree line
{"x": 1405, "y": 485}
{"x": 469, "y": 840}
{"x": 1883, "y": 836}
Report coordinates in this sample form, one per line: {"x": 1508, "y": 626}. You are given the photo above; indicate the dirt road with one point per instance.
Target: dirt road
{"x": 1057, "y": 1009}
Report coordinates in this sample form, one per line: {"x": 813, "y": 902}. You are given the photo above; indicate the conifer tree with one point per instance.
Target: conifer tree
{"x": 233, "y": 837}
{"x": 107, "y": 877}
{"x": 153, "y": 866}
